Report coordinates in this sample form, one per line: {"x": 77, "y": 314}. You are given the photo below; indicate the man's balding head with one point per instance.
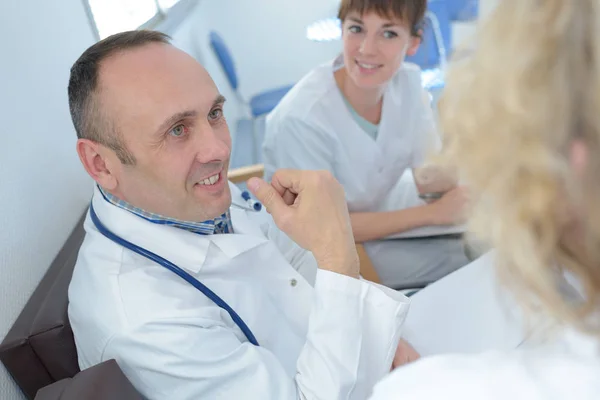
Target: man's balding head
{"x": 89, "y": 119}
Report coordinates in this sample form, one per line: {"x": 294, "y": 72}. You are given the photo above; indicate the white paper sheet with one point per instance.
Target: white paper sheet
{"x": 465, "y": 312}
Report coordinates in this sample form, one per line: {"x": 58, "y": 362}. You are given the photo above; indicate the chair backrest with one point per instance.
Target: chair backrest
{"x": 437, "y": 37}
{"x": 225, "y": 58}
{"x": 104, "y": 381}
{"x": 242, "y": 174}
{"x": 39, "y": 349}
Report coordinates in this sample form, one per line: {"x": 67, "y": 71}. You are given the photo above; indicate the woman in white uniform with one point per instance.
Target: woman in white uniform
{"x": 531, "y": 91}
{"x": 365, "y": 118}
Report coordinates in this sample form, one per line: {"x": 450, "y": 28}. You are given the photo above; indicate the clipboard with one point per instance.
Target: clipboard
{"x": 426, "y": 231}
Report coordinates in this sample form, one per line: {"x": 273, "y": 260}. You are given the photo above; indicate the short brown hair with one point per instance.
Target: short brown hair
{"x": 412, "y": 11}
{"x": 84, "y": 104}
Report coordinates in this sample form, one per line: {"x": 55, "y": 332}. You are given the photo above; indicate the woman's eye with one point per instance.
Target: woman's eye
{"x": 178, "y": 131}
{"x": 355, "y": 29}
{"x": 390, "y": 34}
{"x": 215, "y": 114}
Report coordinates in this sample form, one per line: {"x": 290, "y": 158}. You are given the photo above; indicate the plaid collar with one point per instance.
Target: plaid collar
{"x": 218, "y": 225}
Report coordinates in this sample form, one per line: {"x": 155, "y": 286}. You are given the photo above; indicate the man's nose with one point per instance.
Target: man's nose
{"x": 212, "y": 146}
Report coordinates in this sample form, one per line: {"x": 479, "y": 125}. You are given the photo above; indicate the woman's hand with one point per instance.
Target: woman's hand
{"x": 405, "y": 354}
{"x": 450, "y": 209}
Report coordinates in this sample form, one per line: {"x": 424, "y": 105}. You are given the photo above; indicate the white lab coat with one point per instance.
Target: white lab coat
{"x": 322, "y": 335}
{"x": 568, "y": 368}
{"x": 312, "y": 128}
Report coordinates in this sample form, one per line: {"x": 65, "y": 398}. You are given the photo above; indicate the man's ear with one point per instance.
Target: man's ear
{"x": 99, "y": 162}
{"x": 414, "y": 43}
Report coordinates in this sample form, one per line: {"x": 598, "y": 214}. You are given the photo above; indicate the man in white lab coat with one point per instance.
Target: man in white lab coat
{"x": 153, "y": 137}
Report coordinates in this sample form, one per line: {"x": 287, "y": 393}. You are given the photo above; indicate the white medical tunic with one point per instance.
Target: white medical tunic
{"x": 312, "y": 128}
{"x": 322, "y": 335}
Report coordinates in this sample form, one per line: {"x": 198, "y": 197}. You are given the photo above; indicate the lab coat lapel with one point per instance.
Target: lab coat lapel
{"x": 361, "y": 144}
{"x": 394, "y": 124}
{"x": 183, "y": 248}
{"x": 247, "y": 235}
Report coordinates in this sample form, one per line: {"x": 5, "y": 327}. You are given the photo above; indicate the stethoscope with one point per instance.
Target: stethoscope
{"x": 252, "y": 205}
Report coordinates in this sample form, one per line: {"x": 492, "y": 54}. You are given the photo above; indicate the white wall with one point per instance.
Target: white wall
{"x": 43, "y": 189}
{"x": 266, "y": 37}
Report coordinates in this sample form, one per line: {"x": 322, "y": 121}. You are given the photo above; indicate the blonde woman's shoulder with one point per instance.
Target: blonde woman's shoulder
{"x": 494, "y": 376}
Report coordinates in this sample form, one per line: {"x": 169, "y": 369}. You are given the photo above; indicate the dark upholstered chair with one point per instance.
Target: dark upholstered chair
{"x": 39, "y": 350}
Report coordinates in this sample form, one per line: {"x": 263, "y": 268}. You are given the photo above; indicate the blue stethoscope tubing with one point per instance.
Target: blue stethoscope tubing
{"x": 176, "y": 270}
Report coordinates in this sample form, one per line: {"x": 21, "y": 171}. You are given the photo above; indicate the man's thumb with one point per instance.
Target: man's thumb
{"x": 266, "y": 194}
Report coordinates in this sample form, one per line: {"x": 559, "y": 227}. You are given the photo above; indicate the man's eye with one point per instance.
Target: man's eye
{"x": 178, "y": 131}
{"x": 215, "y": 114}
{"x": 355, "y": 29}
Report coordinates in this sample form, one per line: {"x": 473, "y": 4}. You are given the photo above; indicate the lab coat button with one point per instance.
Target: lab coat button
{"x": 293, "y": 282}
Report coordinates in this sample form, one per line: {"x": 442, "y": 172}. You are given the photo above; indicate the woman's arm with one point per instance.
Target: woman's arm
{"x": 368, "y": 226}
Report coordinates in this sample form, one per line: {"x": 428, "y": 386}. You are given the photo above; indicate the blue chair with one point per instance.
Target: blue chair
{"x": 436, "y": 45}
{"x": 437, "y": 36}
{"x": 260, "y": 104}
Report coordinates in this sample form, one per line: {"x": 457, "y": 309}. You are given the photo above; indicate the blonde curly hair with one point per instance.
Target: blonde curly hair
{"x": 511, "y": 111}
